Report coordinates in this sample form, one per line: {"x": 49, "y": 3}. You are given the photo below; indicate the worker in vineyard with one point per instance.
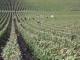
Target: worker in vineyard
{"x": 14, "y": 18}
{"x": 29, "y": 18}
{"x": 38, "y": 22}
{"x": 25, "y": 18}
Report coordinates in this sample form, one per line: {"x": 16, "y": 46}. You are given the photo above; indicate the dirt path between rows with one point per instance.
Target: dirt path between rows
{"x": 6, "y": 36}
{"x": 25, "y": 54}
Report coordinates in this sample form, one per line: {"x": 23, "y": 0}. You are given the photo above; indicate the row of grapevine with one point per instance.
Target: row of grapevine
{"x": 12, "y": 47}
{"x": 4, "y": 21}
{"x": 48, "y": 5}
{"x": 4, "y": 27}
{"x": 4, "y": 5}
{"x": 41, "y": 5}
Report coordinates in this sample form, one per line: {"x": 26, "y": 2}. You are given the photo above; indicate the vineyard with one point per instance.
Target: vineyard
{"x": 39, "y": 30}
